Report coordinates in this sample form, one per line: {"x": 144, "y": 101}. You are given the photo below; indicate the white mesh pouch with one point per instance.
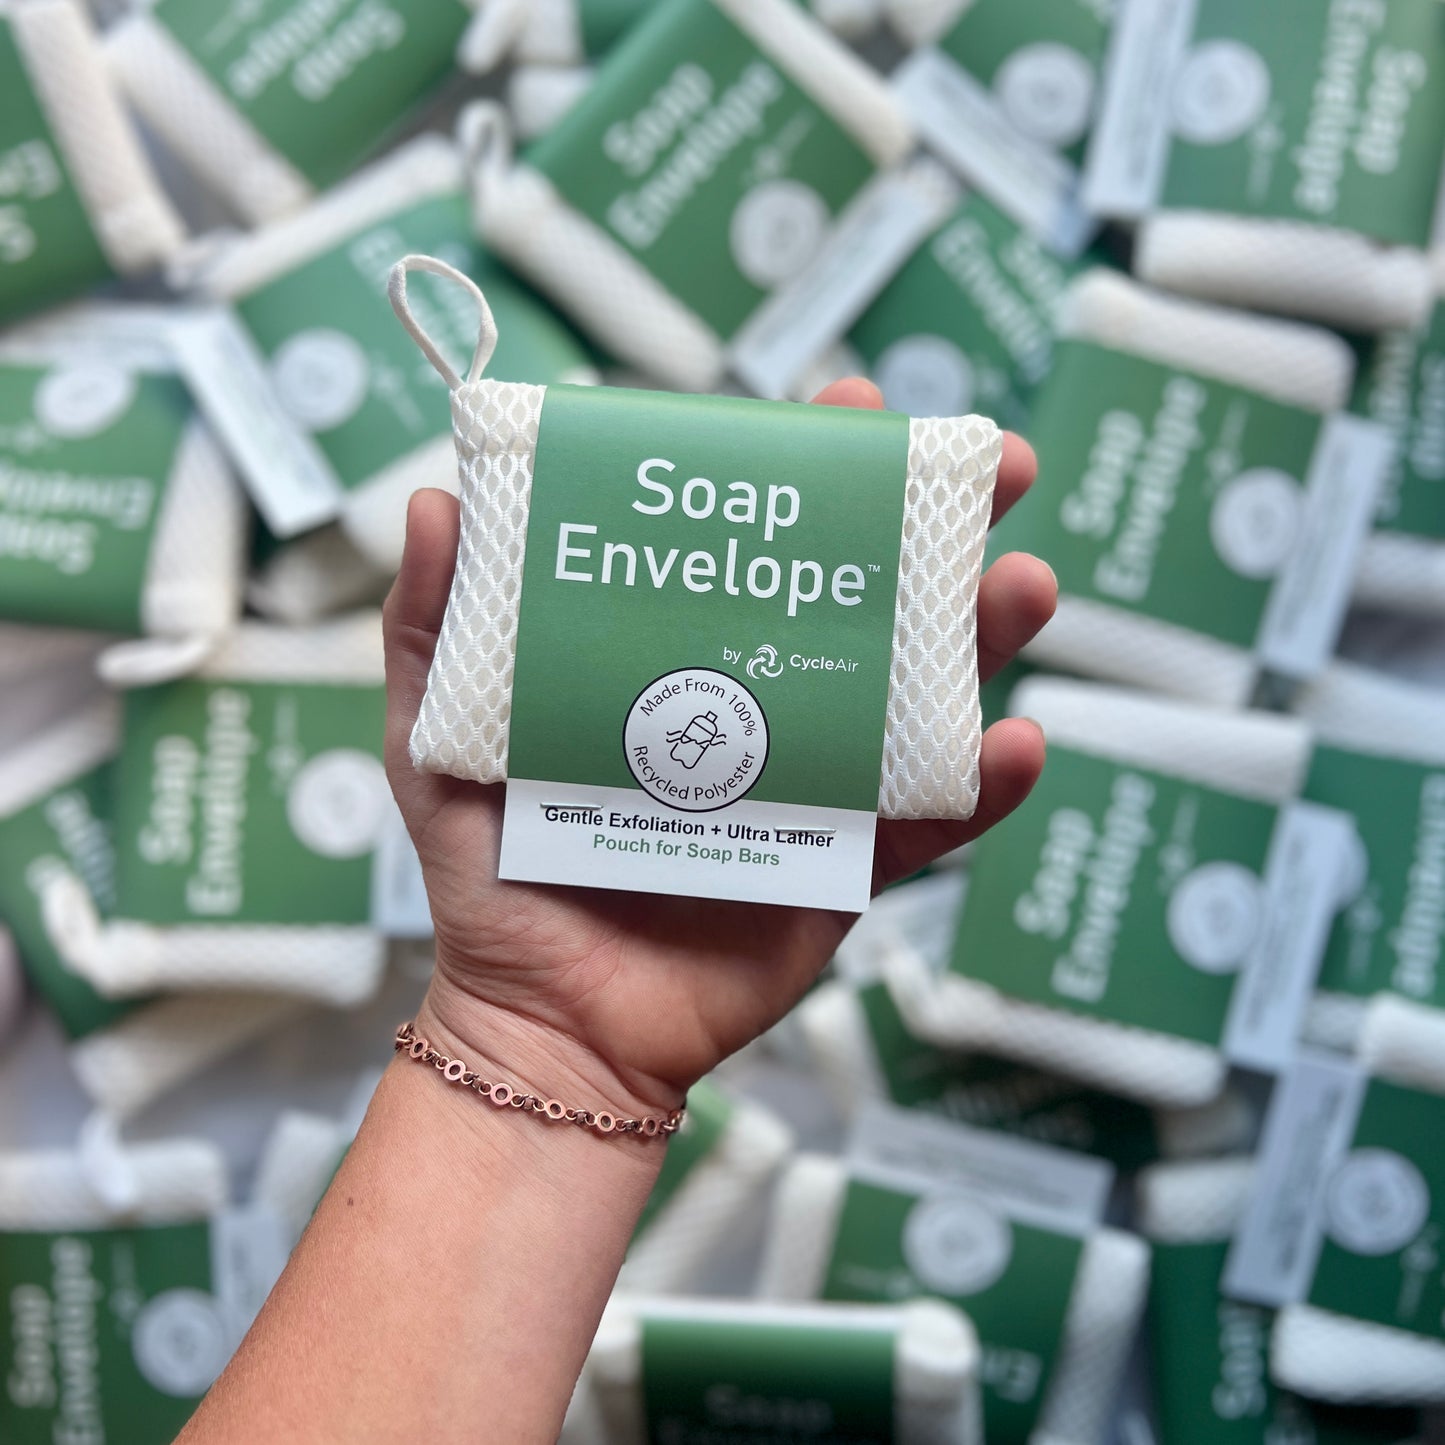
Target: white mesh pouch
{"x": 340, "y": 964}
{"x": 300, "y": 1158}
{"x": 1254, "y": 755}
{"x": 315, "y": 577}
{"x": 1104, "y": 1309}
{"x": 934, "y": 723}
{"x": 935, "y": 1363}
{"x": 130, "y": 215}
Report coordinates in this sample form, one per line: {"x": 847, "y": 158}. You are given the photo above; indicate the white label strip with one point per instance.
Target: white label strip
{"x": 573, "y": 833}
{"x": 248, "y": 1253}
{"x": 1307, "y": 604}
{"x": 289, "y": 479}
{"x": 921, "y": 917}
{"x": 963, "y": 123}
{"x": 873, "y": 238}
{"x": 1308, "y": 856}
{"x": 1129, "y": 153}
{"x": 1311, "y": 1121}
{"x": 399, "y": 905}
{"x": 1035, "y": 1184}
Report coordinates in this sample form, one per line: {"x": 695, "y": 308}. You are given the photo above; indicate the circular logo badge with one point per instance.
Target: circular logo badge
{"x": 83, "y": 401}
{"x": 179, "y": 1342}
{"x": 337, "y": 803}
{"x": 1222, "y": 90}
{"x": 1377, "y": 1202}
{"x": 1213, "y": 916}
{"x": 322, "y": 377}
{"x": 776, "y": 230}
{"x": 955, "y": 1245}
{"x": 1255, "y": 522}
{"x": 696, "y": 740}
{"x": 925, "y": 376}
{"x": 1047, "y": 91}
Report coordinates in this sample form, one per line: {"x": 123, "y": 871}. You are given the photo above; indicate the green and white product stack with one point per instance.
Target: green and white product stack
{"x": 1007, "y": 1231}
{"x": 1284, "y": 159}
{"x": 760, "y": 665}
{"x": 78, "y": 202}
{"x": 1203, "y": 454}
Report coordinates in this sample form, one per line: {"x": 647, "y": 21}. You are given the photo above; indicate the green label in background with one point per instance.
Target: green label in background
{"x": 1012, "y": 1280}
{"x": 1180, "y": 498}
{"x": 605, "y": 22}
{"x": 48, "y": 249}
{"x": 673, "y": 534}
{"x": 996, "y": 1094}
{"x": 86, "y": 455}
{"x": 709, "y": 1112}
{"x": 1211, "y": 1367}
{"x": 1390, "y": 937}
{"x": 1402, "y": 386}
{"x": 707, "y": 1381}
{"x": 701, "y": 157}
{"x": 1041, "y": 60}
{"x": 324, "y": 81}
{"x": 1121, "y": 894}
{"x": 106, "y": 1336}
{"x": 1331, "y": 113}
{"x": 69, "y": 829}
{"x": 967, "y": 324}
{"x": 249, "y": 803}
{"x": 352, "y": 377}
{"x": 1383, "y": 1210}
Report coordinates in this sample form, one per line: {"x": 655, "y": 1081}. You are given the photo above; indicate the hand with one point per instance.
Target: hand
{"x": 624, "y": 1000}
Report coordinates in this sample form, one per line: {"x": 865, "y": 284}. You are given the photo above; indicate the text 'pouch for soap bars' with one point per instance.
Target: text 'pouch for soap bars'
{"x": 267, "y": 107}
{"x": 730, "y": 192}
{"x": 78, "y": 201}
{"x": 975, "y": 1219}
{"x": 666, "y": 1369}
{"x": 809, "y": 653}
{"x": 248, "y": 804}
{"x": 1006, "y": 94}
{"x": 1160, "y": 908}
{"x": 1213, "y": 496}
{"x": 1350, "y": 1156}
{"x": 326, "y": 408}
{"x": 1211, "y": 1353}
{"x": 1294, "y": 168}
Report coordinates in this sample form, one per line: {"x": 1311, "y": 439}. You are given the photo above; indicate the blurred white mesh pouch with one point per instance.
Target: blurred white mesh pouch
{"x": 1337, "y": 233}
{"x": 933, "y": 722}
{"x": 839, "y": 1236}
{"x": 301, "y": 1156}
{"x": 645, "y": 228}
{"x": 315, "y": 577}
{"x": 1054, "y": 964}
{"x": 907, "y": 1374}
{"x": 78, "y": 201}
{"x": 272, "y": 755}
{"x": 1159, "y": 395}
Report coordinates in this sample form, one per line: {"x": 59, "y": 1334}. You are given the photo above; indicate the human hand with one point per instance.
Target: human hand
{"x": 621, "y": 1001}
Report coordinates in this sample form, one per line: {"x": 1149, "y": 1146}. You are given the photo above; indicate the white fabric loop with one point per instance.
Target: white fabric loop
{"x": 486, "y": 330}
{"x": 492, "y": 35}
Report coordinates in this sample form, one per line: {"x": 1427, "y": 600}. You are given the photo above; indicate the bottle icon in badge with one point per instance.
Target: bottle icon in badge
{"x": 690, "y": 746}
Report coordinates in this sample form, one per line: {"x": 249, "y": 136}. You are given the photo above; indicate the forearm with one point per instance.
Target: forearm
{"x": 450, "y": 1284}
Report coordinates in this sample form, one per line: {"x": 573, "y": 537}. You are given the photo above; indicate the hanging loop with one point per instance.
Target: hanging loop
{"x": 484, "y": 137}
{"x": 487, "y": 330}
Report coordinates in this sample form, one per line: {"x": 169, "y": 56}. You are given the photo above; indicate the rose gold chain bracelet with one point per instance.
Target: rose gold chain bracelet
{"x": 454, "y": 1071}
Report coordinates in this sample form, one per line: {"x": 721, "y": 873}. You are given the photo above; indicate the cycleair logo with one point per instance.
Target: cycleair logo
{"x": 765, "y": 663}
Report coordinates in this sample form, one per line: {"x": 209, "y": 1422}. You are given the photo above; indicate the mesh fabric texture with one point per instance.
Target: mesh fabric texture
{"x": 1399, "y": 572}
{"x": 1326, "y": 1356}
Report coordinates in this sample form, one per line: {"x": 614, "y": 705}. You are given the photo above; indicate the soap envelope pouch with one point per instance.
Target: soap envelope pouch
{"x": 707, "y": 641}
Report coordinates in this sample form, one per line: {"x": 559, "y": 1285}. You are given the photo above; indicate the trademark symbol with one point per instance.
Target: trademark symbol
{"x": 874, "y": 567}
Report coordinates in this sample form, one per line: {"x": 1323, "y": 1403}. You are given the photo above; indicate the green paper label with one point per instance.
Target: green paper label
{"x": 709, "y": 1112}
{"x": 67, "y": 829}
{"x": 1402, "y": 386}
{"x": 722, "y": 577}
{"x": 323, "y": 81}
{"x": 967, "y": 324}
{"x": 1325, "y": 113}
{"x": 1120, "y": 894}
{"x": 249, "y": 803}
{"x": 351, "y": 377}
{"x": 48, "y": 248}
{"x": 86, "y": 455}
{"x": 605, "y": 22}
{"x": 709, "y": 1381}
{"x": 1012, "y": 1280}
{"x": 1390, "y": 937}
{"x": 996, "y": 1094}
{"x": 703, "y": 159}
